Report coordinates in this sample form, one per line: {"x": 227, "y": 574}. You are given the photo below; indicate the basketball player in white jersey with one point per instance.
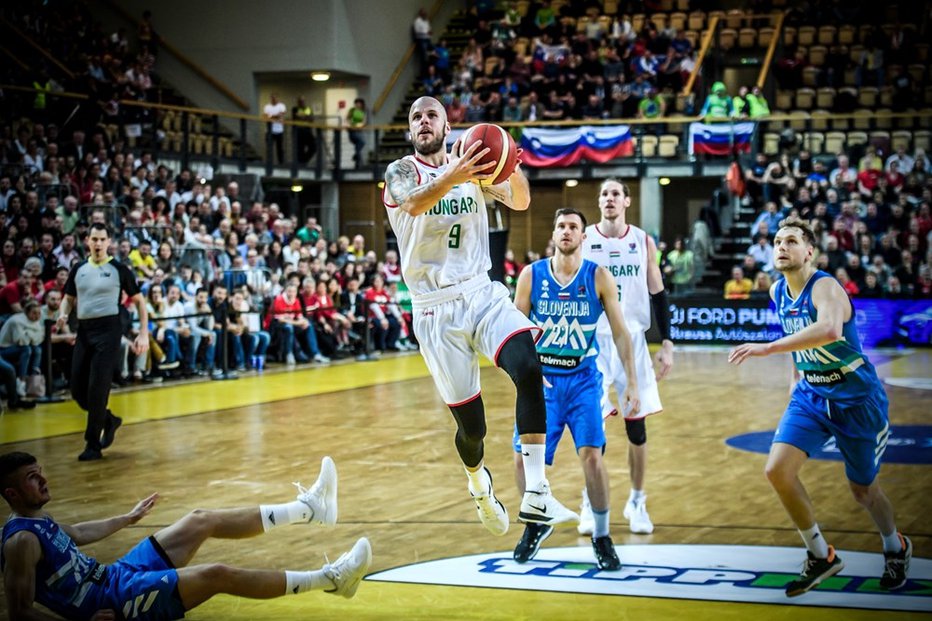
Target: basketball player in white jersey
{"x": 630, "y": 255}
{"x": 438, "y": 212}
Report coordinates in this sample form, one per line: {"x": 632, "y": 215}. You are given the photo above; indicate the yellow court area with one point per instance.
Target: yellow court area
{"x": 234, "y": 443}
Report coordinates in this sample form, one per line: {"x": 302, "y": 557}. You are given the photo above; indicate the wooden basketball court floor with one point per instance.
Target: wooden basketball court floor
{"x": 220, "y": 444}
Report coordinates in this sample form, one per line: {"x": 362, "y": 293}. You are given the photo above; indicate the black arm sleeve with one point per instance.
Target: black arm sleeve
{"x": 127, "y": 279}
{"x": 70, "y": 285}
{"x": 661, "y": 313}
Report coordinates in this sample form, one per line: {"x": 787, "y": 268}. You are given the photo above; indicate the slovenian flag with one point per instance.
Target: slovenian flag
{"x": 553, "y": 147}
{"x": 716, "y": 139}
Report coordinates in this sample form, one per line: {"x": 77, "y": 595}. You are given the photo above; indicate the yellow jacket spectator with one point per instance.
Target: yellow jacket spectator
{"x": 739, "y": 287}
{"x": 756, "y": 104}
{"x": 142, "y": 260}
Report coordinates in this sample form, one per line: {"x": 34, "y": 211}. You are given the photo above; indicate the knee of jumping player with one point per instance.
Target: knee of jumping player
{"x": 518, "y": 358}
{"x": 472, "y": 432}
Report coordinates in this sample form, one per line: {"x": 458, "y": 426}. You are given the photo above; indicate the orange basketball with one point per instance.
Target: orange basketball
{"x": 502, "y": 150}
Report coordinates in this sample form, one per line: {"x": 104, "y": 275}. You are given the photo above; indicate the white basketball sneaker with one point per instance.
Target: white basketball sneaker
{"x": 492, "y": 512}
{"x": 322, "y": 496}
{"x": 638, "y": 519}
{"x": 541, "y": 507}
{"x": 348, "y": 570}
{"x": 586, "y": 520}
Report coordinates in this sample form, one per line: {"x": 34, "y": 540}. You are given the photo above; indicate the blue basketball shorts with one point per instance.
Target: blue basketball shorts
{"x": 143, "y": 585}
{"x": 574, "y": 401}
{"x": 860, "y": 428}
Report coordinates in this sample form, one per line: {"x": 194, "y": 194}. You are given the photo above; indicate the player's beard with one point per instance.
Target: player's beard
{"x": 431, "y": 147}
{"x": 567, "y": 251}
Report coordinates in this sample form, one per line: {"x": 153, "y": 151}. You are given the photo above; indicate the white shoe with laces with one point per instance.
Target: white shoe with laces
{"x": 492, "y": 513}
{"x": 321, "y": 498}
{"x": 638, "y": 519}
{"x": 539, "y": 506}
{"x": 348, "y": 570}
{"x": 586, "y": 519}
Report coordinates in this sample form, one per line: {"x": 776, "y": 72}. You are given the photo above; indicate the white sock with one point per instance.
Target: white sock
{"x": 814, "y": 541}
{"x": 479, "y": 482}
{"x": 294, "y": 512}
{"x": 636, "y": 495}
{"x": 892, "y": 542}
{"x": 302, "y": 581}
{"x": 533, "y": 456}
{"x": 601, "y": 523}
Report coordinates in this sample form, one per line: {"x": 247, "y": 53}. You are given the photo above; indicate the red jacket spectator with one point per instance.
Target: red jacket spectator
{"x": 282, "y": 307}
{"x": 15, "y": 293}
{"x": 378, "y": 299}
{"x": 867, "y": 181}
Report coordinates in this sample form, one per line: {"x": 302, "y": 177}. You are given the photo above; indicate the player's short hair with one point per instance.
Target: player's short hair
{"x": 802, "y": 225}
{"x": 9, "y": 464}
{"x": 624, "y": 186}
{"x": 569, "y": 211}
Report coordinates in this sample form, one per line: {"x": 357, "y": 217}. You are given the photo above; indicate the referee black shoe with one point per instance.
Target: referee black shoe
{"x": 90, "y": 454}
{"x": 815, "y": 570}
{"x": 534, "y": 535}
{"x": 111, "y": 425}
{"x": 604, "y": 549}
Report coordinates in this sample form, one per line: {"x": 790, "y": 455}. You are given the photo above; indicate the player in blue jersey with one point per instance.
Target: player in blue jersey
{"x": 564, "y": 296}
{"x": 839, "y": 395}
{"x": 41, "y": 561}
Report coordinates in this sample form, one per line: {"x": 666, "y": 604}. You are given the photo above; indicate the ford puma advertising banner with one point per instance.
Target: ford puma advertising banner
{"x": 713, "y": 320}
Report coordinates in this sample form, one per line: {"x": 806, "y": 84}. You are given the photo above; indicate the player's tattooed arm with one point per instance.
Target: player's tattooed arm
{"x": 514, "y": 193}
{"x": 401, "y": 179}
{"x": 501, "y": 193}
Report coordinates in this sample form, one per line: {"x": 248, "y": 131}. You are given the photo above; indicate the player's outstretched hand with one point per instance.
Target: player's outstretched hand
{"x": 467, "y": 167}
{"x": 742, "y": 352}
{"x": 142, "y": 508}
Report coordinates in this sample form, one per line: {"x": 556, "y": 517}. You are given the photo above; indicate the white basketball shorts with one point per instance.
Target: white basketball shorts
{"x": 613, "y": 374}
{"x": 454, "y": 325}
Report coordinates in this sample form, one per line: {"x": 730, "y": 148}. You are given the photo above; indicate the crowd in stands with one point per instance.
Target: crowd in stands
{"x": 870, "y": 211}
{"x": 209, "y": 261}
{"x": 103, "y": 65}
{"x": 878, "y": 56}
{"x": 541, "y": 66}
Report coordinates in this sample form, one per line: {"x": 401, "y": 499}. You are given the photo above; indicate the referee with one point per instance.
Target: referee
{"x": 93, "y": 287}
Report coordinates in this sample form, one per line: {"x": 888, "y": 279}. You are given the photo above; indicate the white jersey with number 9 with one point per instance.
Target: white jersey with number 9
{"x": 447, "y": 245}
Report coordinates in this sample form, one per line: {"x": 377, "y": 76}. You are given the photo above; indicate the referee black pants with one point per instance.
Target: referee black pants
{"x": 96, "y": 355}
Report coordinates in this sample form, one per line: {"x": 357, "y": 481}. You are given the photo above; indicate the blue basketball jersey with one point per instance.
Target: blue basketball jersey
{"x": 567, "y": 316}
{"x": 835, "y": 371}
{"x": 65, "y": 574}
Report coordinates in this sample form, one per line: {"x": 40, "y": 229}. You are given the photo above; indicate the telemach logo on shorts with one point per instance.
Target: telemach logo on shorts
{"x": 705, "y": 572}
